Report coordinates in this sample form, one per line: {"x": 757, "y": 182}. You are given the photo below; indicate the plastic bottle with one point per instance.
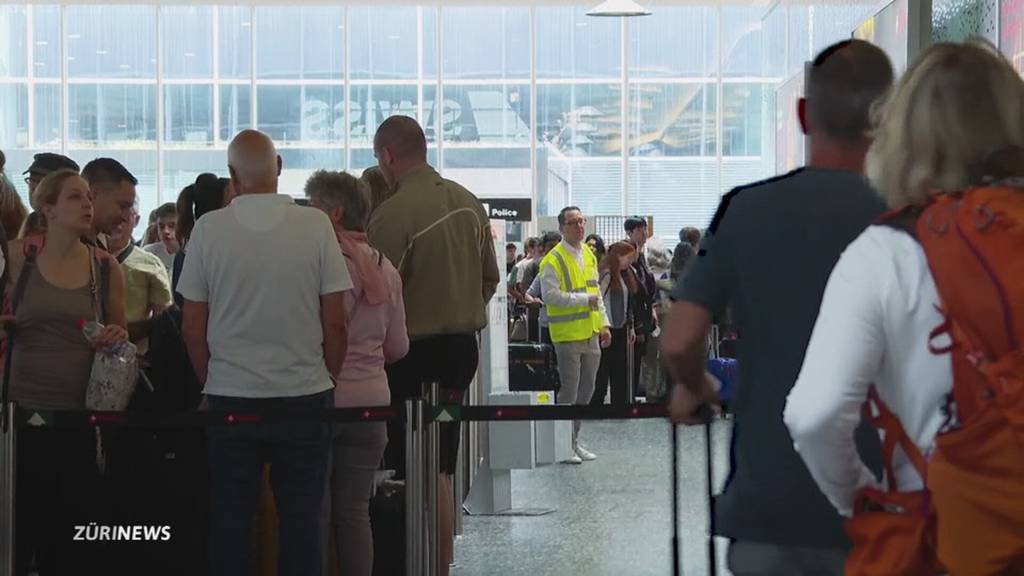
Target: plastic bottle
{"x": 91, "y": 329}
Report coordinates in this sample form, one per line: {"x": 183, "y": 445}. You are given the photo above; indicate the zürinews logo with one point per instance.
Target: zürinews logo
{"x": 137, "y": 533}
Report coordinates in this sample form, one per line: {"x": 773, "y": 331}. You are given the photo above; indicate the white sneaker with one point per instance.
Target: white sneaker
{"x": 584, "y": 454}
{"x": 574, "y": 459}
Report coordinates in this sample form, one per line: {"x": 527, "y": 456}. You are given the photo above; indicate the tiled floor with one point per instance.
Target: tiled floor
{"x": 612, "y": 516}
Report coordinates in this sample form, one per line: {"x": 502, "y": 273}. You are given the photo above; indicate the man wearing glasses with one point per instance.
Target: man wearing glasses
{"x": 42, "y": 165}
{"x": 576, "y": 317}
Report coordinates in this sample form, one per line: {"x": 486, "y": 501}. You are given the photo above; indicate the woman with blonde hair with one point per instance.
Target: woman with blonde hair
{"x": 56, "y": 281}
{"x": 949, "y": 143}
{"x": 618, "y": 287}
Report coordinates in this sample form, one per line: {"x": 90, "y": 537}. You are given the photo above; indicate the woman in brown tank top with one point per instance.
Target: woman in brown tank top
{"x": 57, "y": 478}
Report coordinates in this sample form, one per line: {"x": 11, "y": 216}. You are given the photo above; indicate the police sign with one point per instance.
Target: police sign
{"x": 509, "y": 209}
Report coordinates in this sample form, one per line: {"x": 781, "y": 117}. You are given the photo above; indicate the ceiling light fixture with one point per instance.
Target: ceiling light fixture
{"x": 619, "y": 8}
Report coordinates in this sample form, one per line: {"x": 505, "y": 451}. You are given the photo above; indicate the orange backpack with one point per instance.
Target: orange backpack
{"x": 974, "y": 242}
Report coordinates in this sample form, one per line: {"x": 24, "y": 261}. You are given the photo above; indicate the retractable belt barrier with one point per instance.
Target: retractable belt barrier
{"x": 440, "y": 413}
{"x": 422, "y": 416}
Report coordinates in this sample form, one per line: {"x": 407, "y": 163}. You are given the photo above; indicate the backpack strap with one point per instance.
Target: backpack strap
{"x": 882, "y": 418}
{"x": 31, "y": 250}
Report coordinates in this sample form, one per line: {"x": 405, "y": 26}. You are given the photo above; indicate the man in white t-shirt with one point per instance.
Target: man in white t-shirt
{"x": 265, "y": 326}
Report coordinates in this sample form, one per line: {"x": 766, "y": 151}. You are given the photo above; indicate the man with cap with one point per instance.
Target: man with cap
{"x": 43, "y": 164}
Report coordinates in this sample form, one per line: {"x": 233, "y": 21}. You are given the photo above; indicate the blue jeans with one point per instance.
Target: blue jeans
{"x": 298, "y": 452}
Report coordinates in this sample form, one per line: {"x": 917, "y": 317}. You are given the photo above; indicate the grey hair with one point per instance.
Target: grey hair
{"x": 340, "y": 189}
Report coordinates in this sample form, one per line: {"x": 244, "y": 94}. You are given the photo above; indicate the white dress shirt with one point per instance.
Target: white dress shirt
{"x": 873, "y": 328}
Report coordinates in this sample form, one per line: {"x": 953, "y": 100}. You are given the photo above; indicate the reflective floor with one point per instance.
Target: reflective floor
{"x": 612, "y": 516}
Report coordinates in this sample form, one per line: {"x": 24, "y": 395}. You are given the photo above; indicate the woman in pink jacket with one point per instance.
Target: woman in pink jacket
{"x": 376, "y": 336}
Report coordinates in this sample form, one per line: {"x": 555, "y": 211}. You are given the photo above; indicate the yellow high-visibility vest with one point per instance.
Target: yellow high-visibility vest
{"x": 573, "y": 323}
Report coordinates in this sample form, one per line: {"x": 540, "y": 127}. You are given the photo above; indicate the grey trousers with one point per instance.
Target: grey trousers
{"x": 355, "y": 455}
{"x": 578, "y": 363}
{"x": 758, "y": 559}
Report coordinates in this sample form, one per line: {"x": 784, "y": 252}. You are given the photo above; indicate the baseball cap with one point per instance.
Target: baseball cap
{"x": 47, "y": 162}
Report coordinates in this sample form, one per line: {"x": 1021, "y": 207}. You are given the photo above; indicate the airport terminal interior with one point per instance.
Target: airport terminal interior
{"x": 641, "y": 116}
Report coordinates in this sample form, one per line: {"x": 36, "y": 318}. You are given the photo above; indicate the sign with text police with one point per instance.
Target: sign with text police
{"x": 510, "y": 209}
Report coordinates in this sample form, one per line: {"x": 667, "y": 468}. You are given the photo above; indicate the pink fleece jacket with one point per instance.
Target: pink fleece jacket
{"x": 376, "y": 336}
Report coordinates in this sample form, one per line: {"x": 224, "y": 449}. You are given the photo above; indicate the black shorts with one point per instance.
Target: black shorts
{"x": 452, "y": 361}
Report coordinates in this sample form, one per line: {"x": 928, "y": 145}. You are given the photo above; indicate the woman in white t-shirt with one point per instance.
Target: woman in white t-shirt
{"x": 955, "y": 107}
{"x": 376, "y": 336}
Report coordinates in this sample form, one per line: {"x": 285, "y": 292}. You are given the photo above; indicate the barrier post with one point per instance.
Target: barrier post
{"x": 8, "y": 476}
{"x": 413, "y": 488}
{"x": 433, "y": 471}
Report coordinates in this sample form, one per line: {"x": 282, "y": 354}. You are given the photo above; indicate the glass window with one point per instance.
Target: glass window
{"x": 741, "y": 42}
{"x": 571, "y": 44}
{"x": 235, "y": 110}
{"x": 371, "y": 105}
{"x": 14, "y": 115}
{"x": 46, "y": 59}
{"x": 429, "y": 16}
{"x": 295, "y": 115}
{"x": 111, "y": 113}
{"x": 678, "y": 192}
{"x": 580, "y": 120}
{"x": 13, "y": 42}
{"x": 486, "y": 42}
{"x": 834, "y": 23}
{"x": 111, "y": 41}
{"x": 48, "y": 131}
{"x": 485, "y": 114}
{"x": 799, "y": 38}
{"x": 382, "y": 41}
{"x": 298, "y": 164}
{"x": 305, "y": 42}
{"x": 188, "y": 113}
{"x": 741, "y": 119}
{"x": 182, "y": 166}
{"x": 774, "y": 42}
{"x": 235, "y": 41}
{"x": 673, "y": 119}
{"x": 186, "y": 36}
{"x": 677, "y": 41}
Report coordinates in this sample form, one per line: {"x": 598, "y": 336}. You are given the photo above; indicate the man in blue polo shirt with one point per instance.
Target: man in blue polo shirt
{"x": 777, "y": 519}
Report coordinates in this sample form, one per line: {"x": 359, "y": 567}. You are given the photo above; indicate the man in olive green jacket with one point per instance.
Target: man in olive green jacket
{"x": 439, "y": 237}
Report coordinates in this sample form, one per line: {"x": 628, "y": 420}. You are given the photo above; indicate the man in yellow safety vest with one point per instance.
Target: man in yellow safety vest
{"x": 576, "y": 316}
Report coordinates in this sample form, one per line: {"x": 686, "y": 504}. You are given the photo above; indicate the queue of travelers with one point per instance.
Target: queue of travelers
{"x": 878, "y": 411}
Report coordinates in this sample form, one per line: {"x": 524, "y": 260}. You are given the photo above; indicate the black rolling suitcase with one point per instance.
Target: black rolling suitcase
{"x": 387, "y": 519}
{"x": 532, "y": 367}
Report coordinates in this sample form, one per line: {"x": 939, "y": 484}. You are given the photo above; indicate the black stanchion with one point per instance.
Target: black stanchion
{"x": 677, "y": 555}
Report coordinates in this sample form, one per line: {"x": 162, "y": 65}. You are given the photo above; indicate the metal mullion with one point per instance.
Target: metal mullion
{"x": 65, "y": 86}
{"x": 114, "y": 81}
{"x": 346, "y": 161}
{"x": 216, "y": 76}
{"x": 439, "y": 99}
{"x": 577, "y": 81}
{"x": 253, "y": 120}
{"x": 159, "y": 109}
{"x": 624, "y": 114}
{"x": 719, "y": 101}
{"x": 420, "y": 112}
{"x": 30, "y": 74}
{"x": 534, "y": 176}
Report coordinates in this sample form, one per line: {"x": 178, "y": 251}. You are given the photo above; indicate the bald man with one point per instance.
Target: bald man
{"x": 265, "y": 327}
{"x": 438, "y": 235}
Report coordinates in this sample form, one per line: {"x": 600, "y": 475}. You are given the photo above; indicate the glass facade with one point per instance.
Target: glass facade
{"x": 657, "y": 115}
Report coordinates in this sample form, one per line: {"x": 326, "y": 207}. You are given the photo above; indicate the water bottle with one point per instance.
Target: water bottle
{"x": 91, "y": 329}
